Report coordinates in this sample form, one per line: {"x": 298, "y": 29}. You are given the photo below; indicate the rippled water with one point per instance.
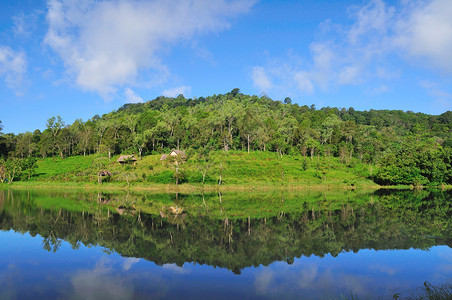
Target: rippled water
{"x": 332, "y": 245}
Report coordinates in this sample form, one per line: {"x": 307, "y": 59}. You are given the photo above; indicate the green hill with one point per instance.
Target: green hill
{"x": 248, "y": 138}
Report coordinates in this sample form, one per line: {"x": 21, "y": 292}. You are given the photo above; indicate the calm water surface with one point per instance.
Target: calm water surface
{"x": 301, "y": 246}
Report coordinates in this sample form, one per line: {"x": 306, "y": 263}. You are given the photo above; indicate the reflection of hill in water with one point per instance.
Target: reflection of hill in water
{"x": 217, "y": 234}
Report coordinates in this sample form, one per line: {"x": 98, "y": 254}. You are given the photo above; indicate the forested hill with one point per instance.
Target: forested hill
{"x": 407, "y": 147}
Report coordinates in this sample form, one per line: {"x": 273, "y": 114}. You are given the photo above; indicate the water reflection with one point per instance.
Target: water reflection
{"x": 314, "y": 243}
{"x": 100, "y": 282}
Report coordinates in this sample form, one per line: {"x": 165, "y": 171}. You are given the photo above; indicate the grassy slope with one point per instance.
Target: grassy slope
{"x": 257, "y": 169}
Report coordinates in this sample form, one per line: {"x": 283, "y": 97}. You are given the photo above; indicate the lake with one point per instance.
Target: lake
{"x": 310, "y": 245}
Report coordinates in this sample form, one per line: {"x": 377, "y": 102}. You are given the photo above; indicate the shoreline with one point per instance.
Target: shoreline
{"x": 194, "y": 188}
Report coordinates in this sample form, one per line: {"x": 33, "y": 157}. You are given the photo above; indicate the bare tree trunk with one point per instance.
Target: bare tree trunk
{"x": 225, "y": 145}
{"x": 248, "y": 142}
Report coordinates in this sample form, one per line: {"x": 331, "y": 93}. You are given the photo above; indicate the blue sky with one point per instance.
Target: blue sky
{"x": 80, "y": 58}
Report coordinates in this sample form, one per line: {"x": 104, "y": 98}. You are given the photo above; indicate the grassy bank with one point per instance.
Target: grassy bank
{"x": 237, "y": 171}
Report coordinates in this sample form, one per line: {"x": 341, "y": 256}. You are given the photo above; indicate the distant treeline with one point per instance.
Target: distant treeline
{"x": 407, "y": 147}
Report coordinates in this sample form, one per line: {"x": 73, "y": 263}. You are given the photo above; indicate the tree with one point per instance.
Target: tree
{"x": 24, "y": 145}
{"x": 3, "y": 174}
{"x": 29, "y": 166}
{"x": 131, "y": 122}
{"x": 85, "y": 138}
{"x": 248, "y": 126}
{"x": 288, "y": 100}
{"x": 140, "y": 140}
{"x": 128, "y": 177}
{"x": 230, "y": 112}
{"x": 176, "y": 162}
{"x": 328, "y": 127}
{"x": 146, "y": 121}
{"x": 54, "y": 124}
{"x": 13, "y": 168}
{"x": 235, "y": 92}
{"x": 312, "y": 142}
{"x": 111, "y": 138}
{"x": 204, "y": 162}
{"x": 99, "y": 165}
{"x": 46, "y": 144}
{"x": 3, "y": 150}
{"x": 265, "y": 132}
{"x": 101, "y": 126}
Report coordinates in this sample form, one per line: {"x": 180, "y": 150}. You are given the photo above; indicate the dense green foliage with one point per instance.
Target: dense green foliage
{"x": 405, "y": 147}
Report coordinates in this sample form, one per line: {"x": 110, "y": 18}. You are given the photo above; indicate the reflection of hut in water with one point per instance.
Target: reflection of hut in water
{"x": 127, "y": 159}
{"x": 103, "y": 199}
{"x": 123, "y": 210}
{"x": 174, "y": 214}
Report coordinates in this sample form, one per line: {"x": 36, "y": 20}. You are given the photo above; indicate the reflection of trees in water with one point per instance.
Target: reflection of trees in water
{"x": 212, "y": 234}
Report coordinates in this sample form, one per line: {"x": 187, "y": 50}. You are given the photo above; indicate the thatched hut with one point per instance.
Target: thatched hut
{"x": 126, "y": 159}
{"x": 177, "y": 155}
{"x": 103, "y": 173}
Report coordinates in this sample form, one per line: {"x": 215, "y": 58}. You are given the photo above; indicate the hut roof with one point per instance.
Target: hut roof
{"x": 124, "y": 158}
{"x": 164, "y": 156}
{"x": 178, "y": 152}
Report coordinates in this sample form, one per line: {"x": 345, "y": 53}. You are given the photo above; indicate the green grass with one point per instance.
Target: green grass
{"x": 239, "y": 168}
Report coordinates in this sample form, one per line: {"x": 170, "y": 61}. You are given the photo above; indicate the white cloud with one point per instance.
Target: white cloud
{"x": 174, "y": 92}
{"x": 442, "y": 99}
{"x": 377, "y": 90}
{"x": 260, "y": 79}
{"x": 20, "y": 25}
{"x": 370, "y": 20}
{"x": 426, "y": 33}
{"x": 25, "y": 24}
{"x": 303, "y": 82}
{"x": 131, "y": 96}
{"x": 366, "y": 49}
{"x": 348, "y": 56}
{"x": 12, "y": 66}
{"x": 106, "y": 44}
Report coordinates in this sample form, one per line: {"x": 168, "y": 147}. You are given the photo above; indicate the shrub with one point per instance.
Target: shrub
{"x": 162, "y": 177}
